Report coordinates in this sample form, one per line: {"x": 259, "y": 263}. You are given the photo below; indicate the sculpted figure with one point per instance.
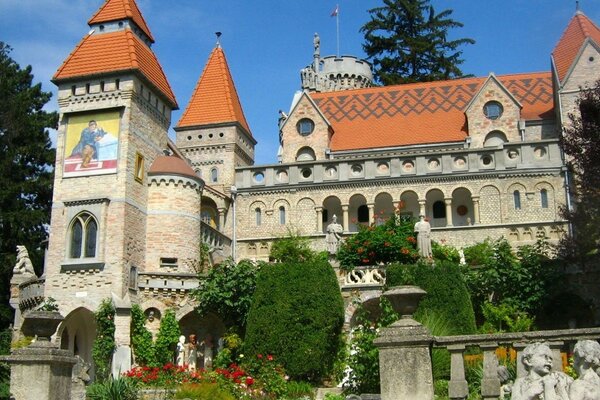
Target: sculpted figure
{"x": 586, "y": 360}
{"x": 181, "y": 351}
{"x": 334, "y": 235}
{"x": 540, "y": 383}
{"x": 423, "y": 230}
{"x": 192, "y": 352}
{"x": 207, "y": 345}
{"x": 23, "y": 264}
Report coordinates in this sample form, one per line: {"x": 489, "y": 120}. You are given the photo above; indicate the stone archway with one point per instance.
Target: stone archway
{"x": 77, "y": 334}
{"x": 193, "y": 323}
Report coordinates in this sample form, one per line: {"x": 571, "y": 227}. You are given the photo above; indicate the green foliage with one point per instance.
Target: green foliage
{"x": 113, "y": 389}
{"x": 447, "y": 294}
{"x": 227, "y": 291}
{"x": 202, "y": 391}
{"x": 408, "y": 42}
{"x": 393, "y": 241}
{"x": 291, "y": 248}
{"x": 270, "y": 373}
{"x": 444, "y": 252}
{"x": 26, "y": 160}
{"x": 330, "y": 396}
{"x": 297, "y": 315}
{"x": 141, "y": 338}
{"x": 104, "y": 345}
{"x": 5, "y": 339}
{"x": 232, "y": 344}
{"x": 505, "y": 318}
{"x": 167, "y": 338}
{"x": 300, "y": 390}
{"x": 49, "y": 304}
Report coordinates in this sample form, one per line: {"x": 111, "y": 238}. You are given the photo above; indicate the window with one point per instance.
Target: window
{"x": 139, "y": 168}
{"x": 493, "y": 110}
{"x": 325, "y": 216}
{"x": 258, "y": 216}
{"x": 168, "y": 262}
{"x": 282, "y": 215}
{"x": 439, "y": 209}
{"x": 84, "y": 233}
{"x": 214, "y": 175}
{"x": 495, "y": 139}
{"x": 363, "y": 214}
{"x": 517, "y": 199}
{"x": 544, "y": 198}
{"x": 305, "y": 126}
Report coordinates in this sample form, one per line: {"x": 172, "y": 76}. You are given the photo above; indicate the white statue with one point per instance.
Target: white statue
{"x": 181, "y": 351}
{"x": 423, "y": 230}
{"x": 192, "y": 353}
{"x": 23, "y": 264}
{"x": 207, "y": 346}
{"x": 540, "y": 383}
{"x": 586, "y": 360}
{"x": 334, "y": 235}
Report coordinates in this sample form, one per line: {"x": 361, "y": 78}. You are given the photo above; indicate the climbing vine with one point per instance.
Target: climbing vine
{"x": 141, "y": 338}
{"x": 104, "y": 345}
{"x": 167, "y": 337}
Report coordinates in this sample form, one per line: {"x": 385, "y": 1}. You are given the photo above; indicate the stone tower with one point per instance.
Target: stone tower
{"x": 115, "y": 108}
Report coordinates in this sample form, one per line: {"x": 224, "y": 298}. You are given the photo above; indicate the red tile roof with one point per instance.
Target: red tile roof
{"x": 215, "y": 99}
{"x": 579, "y": 29}
{"x": 171, "y": 165}
{"x": 114, "y": 10}
{"x": 421, "y": 113}
{"x": 102, "y": 53}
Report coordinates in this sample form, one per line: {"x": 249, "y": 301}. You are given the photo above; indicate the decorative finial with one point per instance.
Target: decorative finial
{"x": 577, "y": 9}
{"x": 218, "y": 38}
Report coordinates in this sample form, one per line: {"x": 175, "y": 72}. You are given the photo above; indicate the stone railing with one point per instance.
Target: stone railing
{"x": 167, "y": 282}
{"x": 213, "y": 238}
{"x": 363, "y": 277}
{"x": 488, "y": 344}
{"x": 31, "y": 293}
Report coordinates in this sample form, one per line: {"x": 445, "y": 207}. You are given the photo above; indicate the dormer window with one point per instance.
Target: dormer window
{"x": 305, "y": 126}
{"x": 493, "y": 110}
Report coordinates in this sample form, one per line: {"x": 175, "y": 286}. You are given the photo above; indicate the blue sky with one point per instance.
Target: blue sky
{"x": 268, "y": 42}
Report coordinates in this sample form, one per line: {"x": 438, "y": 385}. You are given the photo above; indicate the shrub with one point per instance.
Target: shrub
{"x": 104, "y": 345}
{"x": 113, "y": 389}
{"x": 167, "y": 338}
{"x": 299, "y": 390}
{"x": 202, "y": 391}
{"x": 5, "y": 338}
{"x": 141, "y": 338}
{"x": 447, "y": 294}
{"x": 297, "y": 315}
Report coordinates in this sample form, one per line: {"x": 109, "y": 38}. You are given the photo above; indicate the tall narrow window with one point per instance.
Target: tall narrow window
{"x": 258, "y": 216}
{"x": 83, "y": 236}
{"x": 282, "y": 215}
{"x": 439, "y": 209}
{"x": 214, "y": 175}
{"x": 363, "y": 214}
{"x": 544, "y": 198}
{"x": 517, "y": 199}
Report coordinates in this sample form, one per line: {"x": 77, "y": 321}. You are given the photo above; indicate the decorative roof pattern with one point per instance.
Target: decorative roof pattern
{"x": 579, "y": 29}
{"x": 114, "y": 10}
{"x": 115, "y": 52}
{"x": 215, "y": 99}
{"x": 421, "y": 113}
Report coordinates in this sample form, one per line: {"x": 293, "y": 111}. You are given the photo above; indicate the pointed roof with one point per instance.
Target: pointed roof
{"x": 579, "y": 29}
{"x": 114, "y": 10}
{"x": 120, "y": 51}
{"x": 215, "y": 99}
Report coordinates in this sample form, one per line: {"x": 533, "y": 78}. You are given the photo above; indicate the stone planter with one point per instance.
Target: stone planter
{"x": 42, "y": 324}
{"x": 405, "y": 299}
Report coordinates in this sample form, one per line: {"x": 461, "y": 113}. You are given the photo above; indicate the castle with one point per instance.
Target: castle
{"x": 131, "y": 208}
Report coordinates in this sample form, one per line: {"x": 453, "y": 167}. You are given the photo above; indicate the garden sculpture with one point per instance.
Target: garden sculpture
{"x": 586, "y": 360}
{"x": 334, "y": 235}
{"x": 181, "y": 351}
{"x": 23, "y": 264}
{"x": 423, "y": 230}
{"x": 192, "y": 352}
{"x": 540, "y": 383}
{"x": 207, "y": 346}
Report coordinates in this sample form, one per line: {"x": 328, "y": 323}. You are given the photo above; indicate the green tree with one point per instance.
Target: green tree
{"x": 167, "y": 338}
{"x": 408, "y": 42}
{"x": 26, "y": 160}
{"x": 141, "y": 338}
{"x": 581, "y": 143}
{"x": 227, "y": 290}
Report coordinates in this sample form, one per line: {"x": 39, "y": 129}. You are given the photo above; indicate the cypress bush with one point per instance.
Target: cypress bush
{"x": 297, "y": 315}
{"x": 447, "y": 294}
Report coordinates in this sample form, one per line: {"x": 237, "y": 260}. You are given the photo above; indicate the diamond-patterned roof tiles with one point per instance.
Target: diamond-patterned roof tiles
{"x": 215, "y": 99}
{"x": 421, "y": 113}
{"x": 113, "y": 10}
{"x": 580, "y": 28}
{"x": 103, "y": 53}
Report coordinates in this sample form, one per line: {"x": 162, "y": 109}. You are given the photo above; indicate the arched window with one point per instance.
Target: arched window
{"x": 495, "y": 138}
{"x": 282, "y": 215}
{"x": 258, "y": 216}
{"x": 305, "y": 154}
{"x": 363, "y": 214}
{"x": 544, "y": 198}
{"x": 517, "y": 199}
{"x": 439, "y": 209}
{"x": 214, "y": 175}
{"x": 84, "y": 233}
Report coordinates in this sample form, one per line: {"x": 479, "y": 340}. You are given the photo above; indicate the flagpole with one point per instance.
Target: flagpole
{"x": 337, "y": 23}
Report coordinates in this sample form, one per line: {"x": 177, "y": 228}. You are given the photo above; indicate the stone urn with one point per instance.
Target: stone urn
{"x": 42, "y": 324}
{"x": 405, "y": 299}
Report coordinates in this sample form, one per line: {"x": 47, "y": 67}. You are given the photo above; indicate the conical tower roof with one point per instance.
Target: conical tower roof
{"x": 114, "y": 10}
{"x": 215, "y": 99}
{"x": 580, "y": 29}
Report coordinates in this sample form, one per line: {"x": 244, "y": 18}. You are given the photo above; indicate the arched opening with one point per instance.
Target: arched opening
{"x": 208, "y": 326}
{"x": 332, "y": 206}
{"x": 409, "y": 205}
{"x": 436, "y": 208}
{"x": 462, "y": 207}
{"x": 77, "y": 334}
{"x": 495, "y": 139}
{"x": 208, "y": 212}
{"x": 83, "y": 236}
{"x": 305, "y": 154}
{"x": 384, "y": 208}
{"x": 358, "y": 212}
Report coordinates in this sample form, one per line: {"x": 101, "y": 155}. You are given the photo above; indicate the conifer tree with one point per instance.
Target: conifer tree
{"x": 26, "y": 174}
{"x": 408, "y": 42}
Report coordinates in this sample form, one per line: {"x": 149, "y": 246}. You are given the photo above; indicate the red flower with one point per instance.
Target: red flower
{"x": 249, "y": 381}
{"x": 270, "y": 357}
{"x": 404, "y": 251}
{"x": 259, "y": 356}
{"x": 387, "y": 244}
{"x": 411, "y": 239}
{"x": 365, "y": 260}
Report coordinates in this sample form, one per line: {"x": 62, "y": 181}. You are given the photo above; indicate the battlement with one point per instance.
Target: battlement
{"x": 337, "y": 73}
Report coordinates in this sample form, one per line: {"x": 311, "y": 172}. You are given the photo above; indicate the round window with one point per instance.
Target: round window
{"x": 493, "y": 110}
{"x": 259, "y": 177}
{"x": 306, "y": 173}
{"x": 487, "y": 160}
{"x": 305, "y": 126}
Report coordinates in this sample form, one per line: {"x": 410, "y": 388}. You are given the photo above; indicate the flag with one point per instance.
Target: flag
{"x": 335, "y": 11}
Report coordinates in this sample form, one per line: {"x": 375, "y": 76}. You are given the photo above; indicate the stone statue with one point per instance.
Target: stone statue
{"x": 423, "y": 230}
{"x": 540, "y": 383}
{"x": 586, "y": 360}
{"x": 207, "y": 346}
{"x": 192, "y": 353}
{"x": 317, "y": 43}
{"x": 23, "y": 264}
{"x": 180, "y": 360}
{"x": 334, "y": 235}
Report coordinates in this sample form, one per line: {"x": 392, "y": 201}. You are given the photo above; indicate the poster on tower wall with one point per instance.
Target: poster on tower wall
{"x": 91, "y": 144}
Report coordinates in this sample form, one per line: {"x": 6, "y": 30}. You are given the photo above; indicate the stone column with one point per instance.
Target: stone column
{"x": 371, "y": 207}
{"x": 121, "y": 360}
{"x": 221, "y": 226}
{"x": 319, "y": 211}
{"x": 490, "y": 383}
{"x": 476, "y": 217}
{"x": 448, "y": 202}
{"x": 458, "y": 388}
{"x": 345, "y": 218}
{"x": 422, "y": 207}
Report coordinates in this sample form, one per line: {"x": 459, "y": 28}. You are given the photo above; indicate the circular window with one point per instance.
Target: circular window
{"x": 221, "y": 134}
{"x": 408, "y": 166}
{"x": 539, "y": 152}
{"x": 210, "y": 135}
{"x": 282, "y": 176}
{"x": 383, "y": 168}
{"x": 199, "y": 136}
{"x": 356, "y": 169}
{"x": 486, "y": 160}
{"x": 512, "y": 154}
{"x": 306, "y": 173}
{"x": 259, "y": 177}
{"x": 189, "y": 138}
{"x": 493, "y": 110}
{"x": 460, "y": 162}
{"x": 305, "y": 126}
{"x": 433, "y": 163}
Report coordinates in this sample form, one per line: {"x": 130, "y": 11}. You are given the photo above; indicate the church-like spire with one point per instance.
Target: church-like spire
{"x": 215, "y": 99}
